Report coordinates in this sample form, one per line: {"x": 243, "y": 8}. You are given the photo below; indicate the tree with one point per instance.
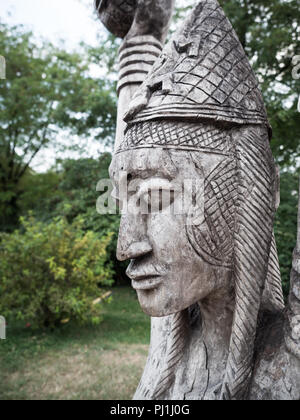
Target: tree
{"x": 40, "y": 193}
{"x": 46, "y": 90}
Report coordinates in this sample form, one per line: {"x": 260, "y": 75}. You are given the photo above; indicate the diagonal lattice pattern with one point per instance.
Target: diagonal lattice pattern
{"x": 116, "y": 15}
{"x": 179, "y": 135}
{"x": 203, "y": 73}
{"x": 213, "y": 240}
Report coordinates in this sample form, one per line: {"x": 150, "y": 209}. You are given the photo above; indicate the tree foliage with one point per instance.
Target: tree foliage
{"x": 71, "y": 193}
{"x": 52, "y": 272}
{"x": 46, "y": 90}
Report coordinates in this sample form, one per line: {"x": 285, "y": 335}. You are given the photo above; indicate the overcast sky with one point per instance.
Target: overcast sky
{"x": 69, "y": 20}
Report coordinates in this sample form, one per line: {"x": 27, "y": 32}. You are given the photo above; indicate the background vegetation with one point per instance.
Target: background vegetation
{"x": 94, "y": 362}
{"x": 50, "y": 272}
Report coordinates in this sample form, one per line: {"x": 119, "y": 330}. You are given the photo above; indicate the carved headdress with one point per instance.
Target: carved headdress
{"x": 202, "y": 95}
{"x": 203, "y": 74}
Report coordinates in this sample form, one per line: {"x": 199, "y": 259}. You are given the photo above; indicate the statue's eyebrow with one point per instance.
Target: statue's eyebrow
{"x": 135, "y": 173}
{"x": 165, "y": 169}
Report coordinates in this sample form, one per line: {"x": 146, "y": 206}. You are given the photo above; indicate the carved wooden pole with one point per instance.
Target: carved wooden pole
{"x": 136, "y": 57}
{"x": 144, "y": 26}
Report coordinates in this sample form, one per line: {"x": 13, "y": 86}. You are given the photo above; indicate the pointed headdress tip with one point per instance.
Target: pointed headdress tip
{"x": 202, "y": 74}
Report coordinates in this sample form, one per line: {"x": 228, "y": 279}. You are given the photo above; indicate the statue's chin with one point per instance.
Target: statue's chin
{"x": 155, "y": 313}
{"x": 155, "y": 305}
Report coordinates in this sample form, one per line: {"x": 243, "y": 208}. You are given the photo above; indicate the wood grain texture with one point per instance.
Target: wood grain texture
{"x": 220, "y": 330}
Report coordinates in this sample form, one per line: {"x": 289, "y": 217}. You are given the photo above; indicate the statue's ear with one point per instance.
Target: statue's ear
{"x": 277, "y": 188}
{"x": 213, "y": 238}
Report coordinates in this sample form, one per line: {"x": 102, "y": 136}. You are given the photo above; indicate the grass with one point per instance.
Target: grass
{"x": 98, "y": 363}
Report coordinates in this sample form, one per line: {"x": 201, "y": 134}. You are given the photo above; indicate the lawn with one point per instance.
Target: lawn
{"x": 99, "y": 363}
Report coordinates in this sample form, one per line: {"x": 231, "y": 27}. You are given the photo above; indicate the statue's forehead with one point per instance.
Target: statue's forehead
{"x": 168, "y": 163}
{"x": 144, "y": 161}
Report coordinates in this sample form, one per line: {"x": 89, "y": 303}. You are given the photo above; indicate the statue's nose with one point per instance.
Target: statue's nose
{"x": 133, "y": 241}
{"x": 134, "y": 250}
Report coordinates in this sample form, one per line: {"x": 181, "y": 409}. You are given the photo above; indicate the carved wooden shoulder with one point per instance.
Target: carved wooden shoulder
{"x": 276, "y": 374}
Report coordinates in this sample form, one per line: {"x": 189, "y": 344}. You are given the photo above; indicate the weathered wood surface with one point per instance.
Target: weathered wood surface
{"x": 209, "y": 277}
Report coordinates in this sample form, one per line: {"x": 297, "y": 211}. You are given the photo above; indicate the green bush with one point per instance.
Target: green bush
{"x": 50, "y": 273}
{"x": 71, "y": 192}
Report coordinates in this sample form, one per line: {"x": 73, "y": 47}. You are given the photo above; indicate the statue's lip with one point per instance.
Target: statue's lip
{"x": 146, "y": 282}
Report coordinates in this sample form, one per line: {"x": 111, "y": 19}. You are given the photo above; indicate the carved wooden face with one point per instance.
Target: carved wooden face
{"x": 166, "y": 271}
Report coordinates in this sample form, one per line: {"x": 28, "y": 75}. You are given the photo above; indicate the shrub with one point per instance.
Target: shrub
{"x": 52, "y": 272}
{"x": 71, "y": 192}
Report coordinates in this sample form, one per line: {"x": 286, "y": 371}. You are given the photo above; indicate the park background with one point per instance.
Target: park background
{"x": 74, "y": 326}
